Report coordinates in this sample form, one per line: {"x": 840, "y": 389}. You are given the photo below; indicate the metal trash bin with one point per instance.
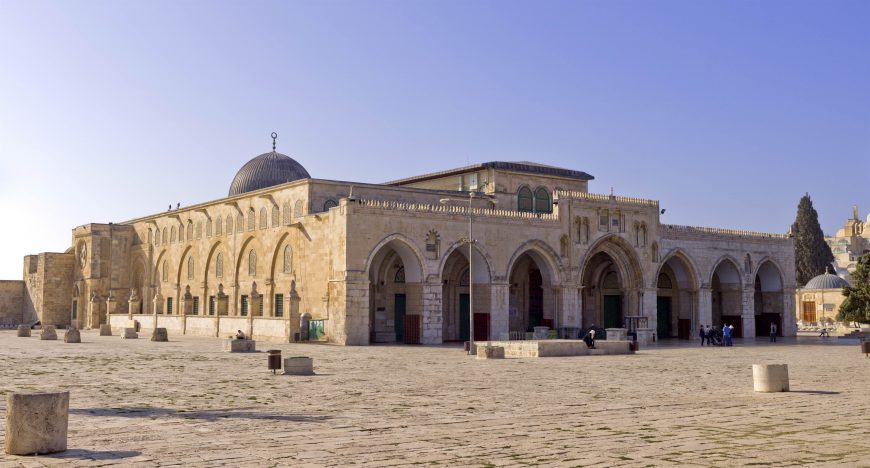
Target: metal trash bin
{"x": 865, "y": 348}
{"x": 274, "y": 360}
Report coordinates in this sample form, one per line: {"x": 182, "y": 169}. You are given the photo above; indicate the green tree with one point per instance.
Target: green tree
{"x": 856, "y": 306}
{"x": 812, "y": 254}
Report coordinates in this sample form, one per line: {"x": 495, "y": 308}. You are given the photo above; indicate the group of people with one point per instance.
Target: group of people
{"x": 714, "y": 336}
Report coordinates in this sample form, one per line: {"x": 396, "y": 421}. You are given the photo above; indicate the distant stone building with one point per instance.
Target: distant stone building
{"x": 819, "y": 300}
{"x": 850, "y": 243}
{"x": 373, "y": 263}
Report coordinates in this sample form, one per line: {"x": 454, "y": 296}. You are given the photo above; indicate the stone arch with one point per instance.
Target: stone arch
{"x": 726, "y": 289}
{"x": 158, "y": 266}
{"x": 210, "y": 259}
{"x": 722, "y": 260}
{"x": 543, "y": 254}
{"x": 677, "y": 306}
{"x": 182, "y": 261}
{"x": 395, "y": 306}
{"x": 622, "y": 251}
{"x": 481, "y": 257}
{"x": 533, "y": 275}
{"x": 769, "y": 303}
{"x": 612, "y": 280}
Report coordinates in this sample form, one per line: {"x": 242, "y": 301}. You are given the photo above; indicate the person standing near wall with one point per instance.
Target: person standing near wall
{"x": 773, "y": 333}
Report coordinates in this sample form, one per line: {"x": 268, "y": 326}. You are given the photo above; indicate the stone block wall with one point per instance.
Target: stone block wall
{"x": 11, "y": 302}
{"x": 48, "y": 283}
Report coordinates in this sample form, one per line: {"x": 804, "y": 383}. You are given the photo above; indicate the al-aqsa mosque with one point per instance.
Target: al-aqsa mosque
{"x": 366, "y": 263}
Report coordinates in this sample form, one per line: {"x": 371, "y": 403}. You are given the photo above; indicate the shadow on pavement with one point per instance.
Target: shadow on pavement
{"x": 94, "y": 454}
{"x": 207, "y": 415}
{"x": 815, "y": 392}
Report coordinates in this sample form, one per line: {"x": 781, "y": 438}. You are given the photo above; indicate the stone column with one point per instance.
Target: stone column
{"x": 649, "y": 307}
{"x": 255, "y": 303}
{"x": 268, "y": 300}
{"x": 354, "y": 327}
{"x": 222, "y": 308}
{"x": 789, "y": 316}
{"x": 499, "y": 319}
{"x": 186, "y": 308}
{"x": 747, "y": 311}
{"x": 111, "y": 308}
{"x": 705, "y": 306}
{"x": 94, "y": 311}
{"x": 432, "y": 319}
{"x": 291, "y": 316}
{"x": 157, "y": 304}
{"x": 570, "y": 313}
{"x": 133, "y": 304}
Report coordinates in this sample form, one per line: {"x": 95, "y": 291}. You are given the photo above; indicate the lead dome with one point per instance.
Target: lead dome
{"x": 267, "y": 170}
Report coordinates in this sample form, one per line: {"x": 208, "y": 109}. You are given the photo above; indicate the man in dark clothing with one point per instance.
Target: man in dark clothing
{"x": 702, "y": 335}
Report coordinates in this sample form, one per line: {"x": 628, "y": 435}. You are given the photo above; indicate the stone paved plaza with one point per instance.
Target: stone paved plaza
{"x": 185, "y": 403}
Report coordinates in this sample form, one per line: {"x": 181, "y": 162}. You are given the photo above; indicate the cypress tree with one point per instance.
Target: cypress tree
{"x": 812, "y": 254}
{"x": 856, "y": 306}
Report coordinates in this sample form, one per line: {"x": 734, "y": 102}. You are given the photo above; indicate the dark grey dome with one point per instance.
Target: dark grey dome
{"x": 827, "y": 281}
{"x": 267, "y": 170}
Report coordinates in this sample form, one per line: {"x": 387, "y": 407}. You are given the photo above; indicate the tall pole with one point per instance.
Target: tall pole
{"x": 470, "y": 277}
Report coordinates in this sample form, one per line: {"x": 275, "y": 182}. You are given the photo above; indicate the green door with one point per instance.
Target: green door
{"x": 399, "y": 317}
{"x": 463, "y": 317}
{"x": 663, "y": 322}
{"x": 612, "y": 312}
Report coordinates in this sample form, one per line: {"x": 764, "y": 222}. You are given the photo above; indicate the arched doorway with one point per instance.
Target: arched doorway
{"x": 676, "y": 299}
{"x": 395, "y": 294}
{"x": 455, "y": 303}
{"x": 605, "y": 300}
{"x": 727, "y": 297}
{"x": 532, "y": 298}
{"x": 768, "y": 299}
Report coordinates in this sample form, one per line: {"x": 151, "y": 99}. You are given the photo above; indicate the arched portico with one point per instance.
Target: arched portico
{"x": 726, "y": 287}
{"x": 534, "y": 292}
{"x": 612, "y": 284}
{"x": 768, "y": 299}
{"x": 395, "y": 271}
{"x": 677, "y": 297}
{"x": 455, "y": 294}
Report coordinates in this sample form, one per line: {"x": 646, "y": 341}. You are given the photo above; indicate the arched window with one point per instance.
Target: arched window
{"x": 655, "y": 252}
{"x": 542, "y": 201}
{"x": 286, "y": 208}
{"x": 218, "y": 228}
{"x": 172, "y": 235}
{"x": 208, "y": 227}
{"x": 252, "y": 220}
{"x": 150, "y": 235}
{"x": 252, "y": 263}
{"x": 665, "y": 282}
{"x": 164, "y": 236}
{"x": 190, "y": 268}
{"x": 329, "y": 204}
{"x": 400, "y": 275}
{"x": 276, "y": 216}
{"x": 189, "y": 230}
{"x": 229, "y": 224}
{"x": 198, "y": 230}
{"x": 219, "y": 266}
{"x": 240, "y": 222}
{"x": 264, "y": 222}
{"x": 165, "y": 271}
{"x": 297, "y": 210}
{"x": 525, "y": 200}
{"x": 288, "y": 259}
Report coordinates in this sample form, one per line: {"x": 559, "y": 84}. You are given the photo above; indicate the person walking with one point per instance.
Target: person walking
{"x": 726, "y": 335}
{"x": 773, "y": 332}
{"x": 702, "y": 335}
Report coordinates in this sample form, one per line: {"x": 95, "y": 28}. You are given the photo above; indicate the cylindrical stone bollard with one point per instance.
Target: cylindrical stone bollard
{"x": 72, "y": 336}
{"x": 23, "y": 331}
{"x": 48, "y": 333}
{"x": 770, "y": 377}
{"x": 159, "y": 334}
{"x": 36, "y": 423}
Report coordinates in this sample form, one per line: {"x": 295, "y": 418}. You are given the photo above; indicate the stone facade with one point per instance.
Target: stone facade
{"x": 11, "y": 303}
{"x": 849, "y": 243}
{"x": 390, "y": 263}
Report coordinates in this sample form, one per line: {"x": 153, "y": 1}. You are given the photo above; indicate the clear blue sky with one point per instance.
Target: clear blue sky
{"x": 726, "y": 111}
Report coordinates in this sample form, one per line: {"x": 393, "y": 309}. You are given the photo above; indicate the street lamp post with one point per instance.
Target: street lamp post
{"x": 470, "y": 241}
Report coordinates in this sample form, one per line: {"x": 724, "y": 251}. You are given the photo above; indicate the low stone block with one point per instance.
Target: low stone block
{"x": 770, "y": 377}
{"x": 299, "y": 365}
{"x": 644, "y": 335}
{"x": 616, "y": 334}
{"x": 130, "y": 334}
{"x": 72, "y": 336}
{"x": 240, "y": 346}
{"x": 490, "y": 352}
{"x": 134, "y": 324}
{"x": 36, "y": 423}
{"x": 48, "y": 333}
{"x": 159, "y": 334}
{"x": 105, "y": 330}
{"x": 23, "y": 331}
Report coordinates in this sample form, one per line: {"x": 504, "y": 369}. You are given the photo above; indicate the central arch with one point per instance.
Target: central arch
{"x": 677, "y": 297}
{"x": 611, "y": 279}
{"x": 456, "y": 284}
{"x": 768, "y": 298}
{"x": 726, "y": 287}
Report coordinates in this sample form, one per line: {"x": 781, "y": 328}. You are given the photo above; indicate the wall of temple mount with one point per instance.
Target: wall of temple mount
{"x": 11, "y": 302}
{"x": 48, "y": 286}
